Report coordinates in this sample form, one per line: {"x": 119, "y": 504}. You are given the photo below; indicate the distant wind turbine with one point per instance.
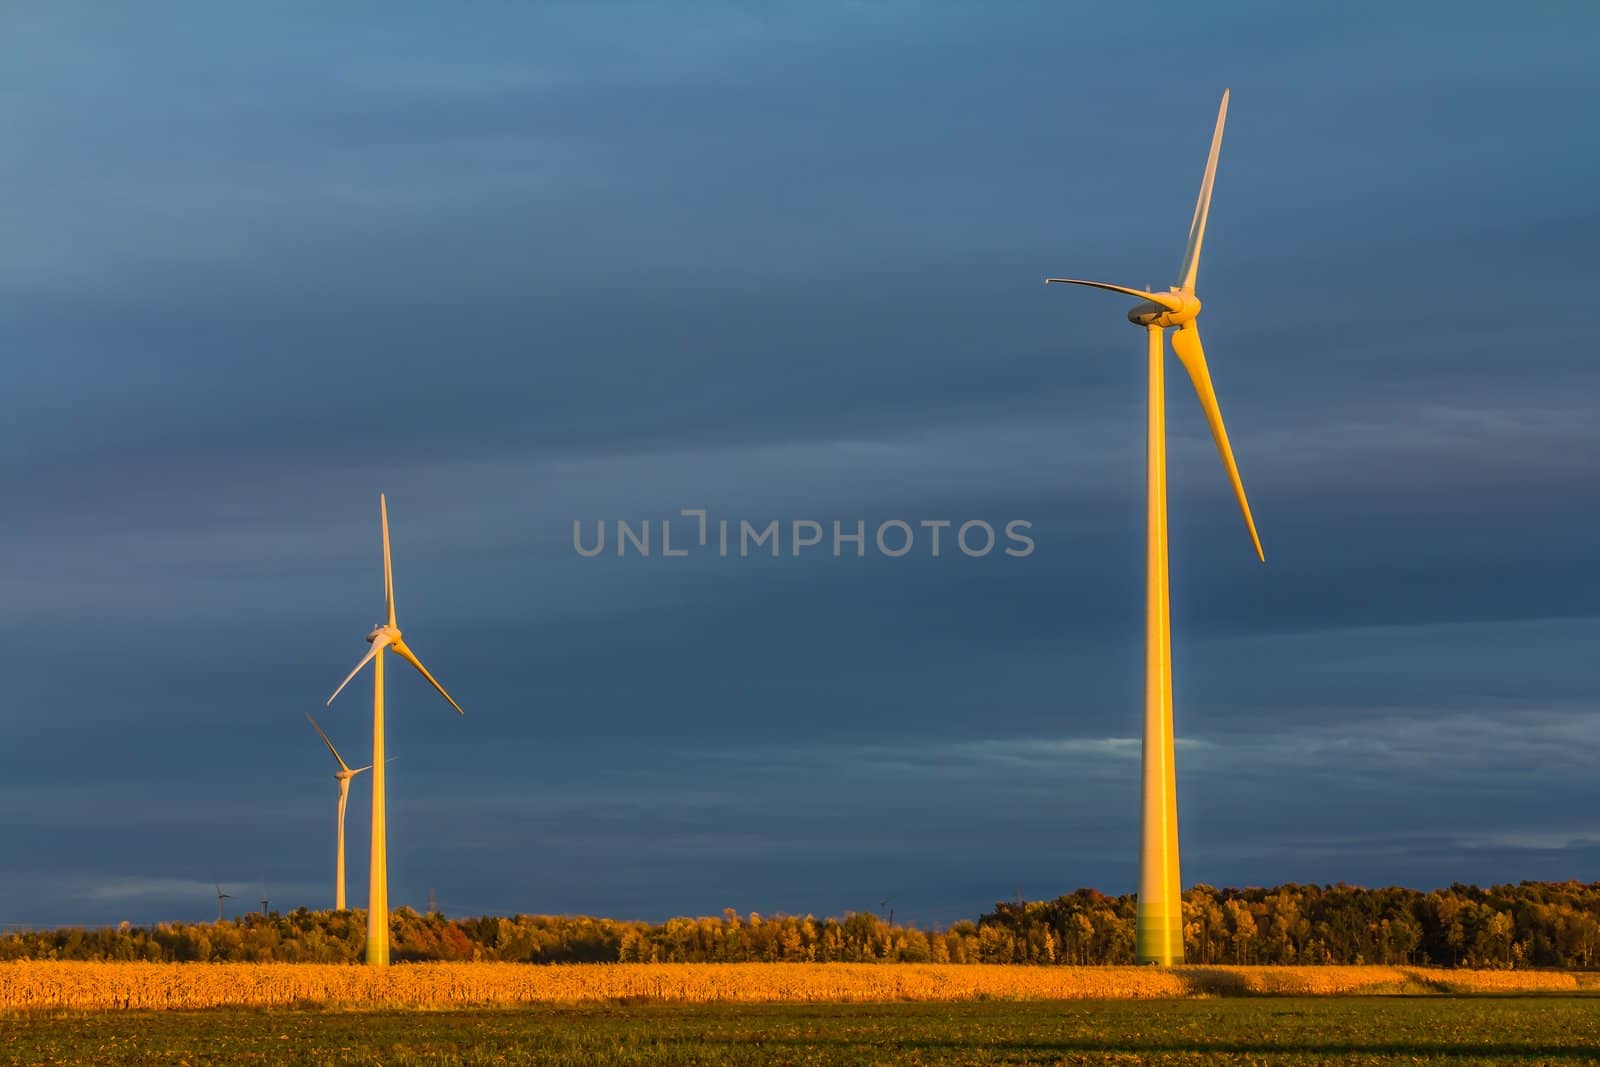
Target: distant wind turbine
{"x": 1159, "y": 925}
{"x": 344, "y": 775}
{"x": 385, "y": 635}
{"x": 221, "y": 896}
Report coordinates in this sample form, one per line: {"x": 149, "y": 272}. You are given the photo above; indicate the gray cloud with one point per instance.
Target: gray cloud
{"x": 585, "y": 264}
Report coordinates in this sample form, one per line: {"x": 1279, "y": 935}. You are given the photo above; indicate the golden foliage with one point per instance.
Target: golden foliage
{"x": 28, "y": 985}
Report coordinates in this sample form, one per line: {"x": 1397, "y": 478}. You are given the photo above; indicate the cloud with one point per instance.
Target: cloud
{"x": 125, "y": 888}
{"x": 558, "y": 264}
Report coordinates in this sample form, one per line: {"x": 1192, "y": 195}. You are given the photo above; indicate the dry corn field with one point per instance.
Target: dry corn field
{"x": 31, "y": 985}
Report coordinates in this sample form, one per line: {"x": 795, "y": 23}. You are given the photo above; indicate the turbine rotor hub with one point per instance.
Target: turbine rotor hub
{"x": 383, "y": 629}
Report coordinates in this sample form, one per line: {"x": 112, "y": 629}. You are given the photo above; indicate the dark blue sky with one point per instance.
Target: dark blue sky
{"x": 595, "y": 261}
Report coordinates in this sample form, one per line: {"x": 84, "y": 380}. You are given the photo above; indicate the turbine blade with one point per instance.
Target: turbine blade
{"x": 388, "y": 570}
{"x": 342, "y": 765}
{"x": 1186, "y": 343}
{"x": 1202, "y": 207}
{"x": 1166, "y": 300}
{"x": 410, "y": 657}
{"x": 358, "y": 770}
{"x": 377, "y": 646}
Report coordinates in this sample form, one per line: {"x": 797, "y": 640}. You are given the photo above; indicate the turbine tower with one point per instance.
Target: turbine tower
{"x": 386, "y": 635}
{"x": 344, "y": 775}
{"x": 1159, "y": 931}
{"x": 221, "y": 896}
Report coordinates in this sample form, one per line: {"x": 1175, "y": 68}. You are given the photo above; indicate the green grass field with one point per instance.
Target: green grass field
{"x": 1545, "y": 1029}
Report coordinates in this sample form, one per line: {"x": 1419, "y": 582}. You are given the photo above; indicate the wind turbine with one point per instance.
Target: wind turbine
{"x": 1159, "y": 930}
{"x": 221, "y": 896}
{"x": 344, "y": 775}
{"x": 386, "y": 635}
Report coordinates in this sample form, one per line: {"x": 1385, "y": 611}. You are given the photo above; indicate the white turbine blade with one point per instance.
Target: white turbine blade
{"x": 410, "y": 657}
{"x": 1202, "y": 207}
{"x": 342, "y": 765}
{"x": 1186, "y": 343}
{"x": 1166, "y": 300}
{"x": 388, "y": 570}
{"x": 368, "y": 767}
{"x": 377, "y": 646}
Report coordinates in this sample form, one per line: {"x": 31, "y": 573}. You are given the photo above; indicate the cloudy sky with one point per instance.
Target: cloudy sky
{"x": 546, "y": 263}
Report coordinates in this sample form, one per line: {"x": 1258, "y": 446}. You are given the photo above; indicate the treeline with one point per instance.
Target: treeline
{"x": 1532, "y": 924}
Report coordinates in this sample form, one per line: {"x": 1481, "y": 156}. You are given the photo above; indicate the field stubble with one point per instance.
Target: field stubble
{"x": 46, "y": 985}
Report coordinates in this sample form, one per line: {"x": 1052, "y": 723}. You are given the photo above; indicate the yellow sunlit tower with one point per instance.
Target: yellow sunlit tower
{"x": 385, "y": 635}
{"x": 1159, "y": 933}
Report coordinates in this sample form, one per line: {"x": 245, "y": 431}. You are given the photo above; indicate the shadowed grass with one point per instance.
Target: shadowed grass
{"x": 1436, "y": 1029}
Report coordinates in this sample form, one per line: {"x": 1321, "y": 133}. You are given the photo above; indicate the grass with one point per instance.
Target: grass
{"x": 1432, "y": 1029}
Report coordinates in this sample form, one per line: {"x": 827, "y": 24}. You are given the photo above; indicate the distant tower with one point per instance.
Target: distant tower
{"x": 433, "y": 902}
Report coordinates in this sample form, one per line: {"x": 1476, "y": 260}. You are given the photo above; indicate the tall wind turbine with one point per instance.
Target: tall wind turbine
{"x": 344, "y": 775}
{"x": 221, "y": 896}
{"x": 386, "y": 635}
{"x": 1159, "y": 932}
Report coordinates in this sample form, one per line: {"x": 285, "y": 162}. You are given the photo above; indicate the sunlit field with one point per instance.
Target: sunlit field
{"x": 1528, "y": 1029}
{"x": 36, "y": 985}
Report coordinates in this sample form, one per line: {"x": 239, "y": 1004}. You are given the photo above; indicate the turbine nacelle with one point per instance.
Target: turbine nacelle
{"x": 1151, "y": 313}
